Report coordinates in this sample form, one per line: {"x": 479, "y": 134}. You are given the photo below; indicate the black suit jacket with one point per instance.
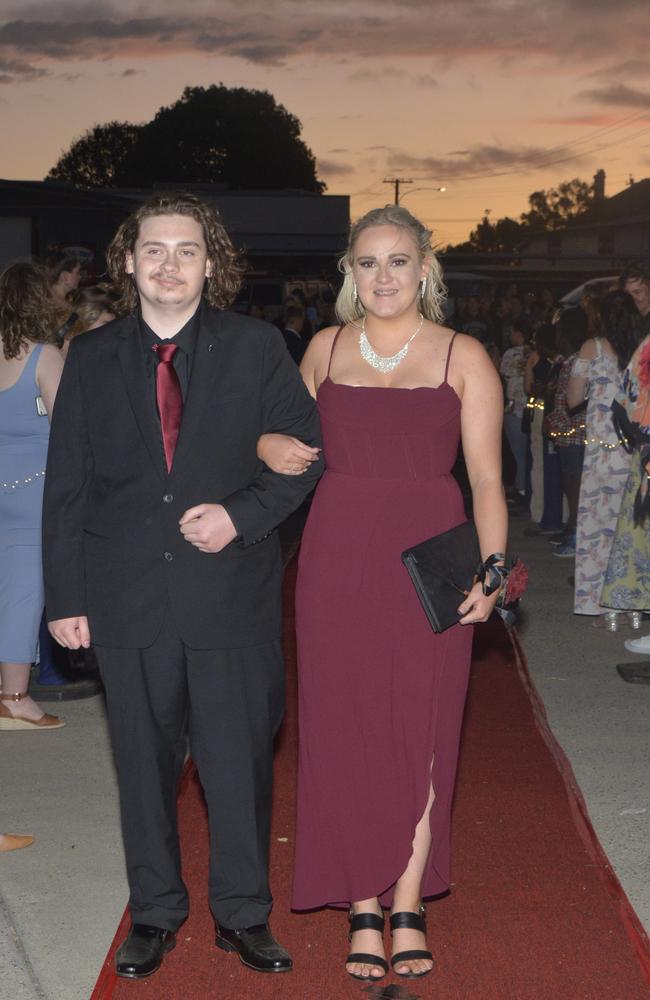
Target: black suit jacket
{"x": 112, "y": 545}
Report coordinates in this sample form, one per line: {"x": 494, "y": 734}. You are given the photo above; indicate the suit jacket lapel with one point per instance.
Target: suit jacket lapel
{"x": 205, "y": 368}
{"x": 135, "y": 377}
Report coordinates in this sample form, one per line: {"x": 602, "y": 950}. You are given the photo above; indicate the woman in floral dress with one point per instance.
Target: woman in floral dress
{"x": 627, "y": 578}
{"x": 597, "y": 371}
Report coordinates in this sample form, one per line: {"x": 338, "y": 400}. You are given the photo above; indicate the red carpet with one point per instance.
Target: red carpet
{"x": 536, "y": 913}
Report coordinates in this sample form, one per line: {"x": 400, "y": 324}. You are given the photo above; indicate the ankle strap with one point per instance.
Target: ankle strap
{"x": 365, "y": 922}
{"x": 13, "y": 697}
{"x": 412, "y": 921}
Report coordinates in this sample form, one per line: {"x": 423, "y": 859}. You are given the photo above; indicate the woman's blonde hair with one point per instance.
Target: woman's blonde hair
{"x": 349, "y": 308}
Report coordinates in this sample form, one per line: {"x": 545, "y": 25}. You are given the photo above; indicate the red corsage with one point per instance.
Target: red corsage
{"x": 512, "y": 591}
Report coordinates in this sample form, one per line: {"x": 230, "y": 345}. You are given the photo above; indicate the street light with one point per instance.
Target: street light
{"x": 397, "y": 183}
{"x": 414, "y": 190}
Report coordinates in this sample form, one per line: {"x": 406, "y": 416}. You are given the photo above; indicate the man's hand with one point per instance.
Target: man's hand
{"x": 208, "y": 527}
{"x": 73, "y": 633}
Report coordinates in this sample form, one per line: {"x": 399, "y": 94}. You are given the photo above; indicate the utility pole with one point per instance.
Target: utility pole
{"x": 397, "y": 181}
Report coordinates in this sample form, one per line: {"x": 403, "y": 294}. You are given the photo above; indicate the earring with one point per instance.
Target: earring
{"x": 355, "y": 293}
{"x": 423, "y": 285}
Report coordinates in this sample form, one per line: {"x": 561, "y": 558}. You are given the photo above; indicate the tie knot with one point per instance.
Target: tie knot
{"x": 165, "y": 352}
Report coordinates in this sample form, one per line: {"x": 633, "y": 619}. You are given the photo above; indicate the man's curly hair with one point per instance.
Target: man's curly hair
{"x": 220, "y": 287}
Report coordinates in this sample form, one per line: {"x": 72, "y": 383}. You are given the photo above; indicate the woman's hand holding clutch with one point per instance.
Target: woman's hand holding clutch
{"x": 477, "y": 606}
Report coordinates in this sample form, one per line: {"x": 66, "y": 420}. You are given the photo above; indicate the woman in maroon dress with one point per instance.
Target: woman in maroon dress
{"x": 380, "y": 695}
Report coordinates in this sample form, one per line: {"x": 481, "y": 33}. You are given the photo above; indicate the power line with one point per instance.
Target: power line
{"x": 528, "y": 167}
{"x": 397, "y": 181}
{"x": 626, "y": 120}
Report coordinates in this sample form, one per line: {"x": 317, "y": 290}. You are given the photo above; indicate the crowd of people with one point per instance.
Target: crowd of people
{"x": 183, "y": 433}
{"x": 576, "y": 392}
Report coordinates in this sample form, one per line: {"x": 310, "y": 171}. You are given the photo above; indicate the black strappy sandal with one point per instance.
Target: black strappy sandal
{"x": 366, "y": 922}
{"x": 414, "y": 922}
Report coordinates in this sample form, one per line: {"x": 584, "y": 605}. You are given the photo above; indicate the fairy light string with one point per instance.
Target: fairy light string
{"x": 536, "y": 404}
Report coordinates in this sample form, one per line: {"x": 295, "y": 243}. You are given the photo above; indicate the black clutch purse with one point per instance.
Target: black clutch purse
{"x": 443, "y": 569}
{"x": 626, "y": 432}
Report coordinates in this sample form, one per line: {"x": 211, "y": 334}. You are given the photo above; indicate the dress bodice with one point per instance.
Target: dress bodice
{"x": 389, "y": 433}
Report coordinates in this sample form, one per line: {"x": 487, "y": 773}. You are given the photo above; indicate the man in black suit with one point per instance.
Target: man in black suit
{"x": 159, "y": 546}
{"x": 294, "y": 321}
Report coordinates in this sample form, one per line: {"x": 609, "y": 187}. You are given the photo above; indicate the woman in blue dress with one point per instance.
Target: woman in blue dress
{"x": 30, "y": 369}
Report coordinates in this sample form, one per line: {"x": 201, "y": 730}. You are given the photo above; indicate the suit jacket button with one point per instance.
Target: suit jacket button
{"x": 168, "y": 556}
{"x": 168, "y": 497}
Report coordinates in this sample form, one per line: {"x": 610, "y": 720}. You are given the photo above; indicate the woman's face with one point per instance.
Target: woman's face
{"x": 72, "y": 278}
{"x": 387, "y": 269}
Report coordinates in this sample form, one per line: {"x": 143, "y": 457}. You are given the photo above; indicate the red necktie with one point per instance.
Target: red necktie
{"x": 169, "y": 398}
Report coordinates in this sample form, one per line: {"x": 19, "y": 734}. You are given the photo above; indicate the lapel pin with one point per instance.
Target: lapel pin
{"x": 210, "y": 347}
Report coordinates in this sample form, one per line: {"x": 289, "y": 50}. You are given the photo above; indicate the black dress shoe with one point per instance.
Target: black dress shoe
{"x": 143, "y": 951}
{"x": 256, "y": 947}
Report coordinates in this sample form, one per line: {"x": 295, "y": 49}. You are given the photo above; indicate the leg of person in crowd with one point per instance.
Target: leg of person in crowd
{"x": 571, "y": 457}
{"x": 17, "y": 709}
{"x": 520, "y": 446}
{"x": 551, "y": 520}
{"x": 53, "y": 667}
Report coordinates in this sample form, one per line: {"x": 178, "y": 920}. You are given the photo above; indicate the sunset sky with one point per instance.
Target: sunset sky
{"x": 492, "y": 99}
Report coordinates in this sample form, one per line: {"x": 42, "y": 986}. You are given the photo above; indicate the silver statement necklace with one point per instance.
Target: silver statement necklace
{"x": 382, "y": 364}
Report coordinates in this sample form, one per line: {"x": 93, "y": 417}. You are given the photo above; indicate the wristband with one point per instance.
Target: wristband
{"x": 492, "y": 576}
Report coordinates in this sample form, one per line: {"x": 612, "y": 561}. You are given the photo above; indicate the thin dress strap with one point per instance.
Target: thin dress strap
{"x": 332, "y": 349}
{"x": 451, "y": 344}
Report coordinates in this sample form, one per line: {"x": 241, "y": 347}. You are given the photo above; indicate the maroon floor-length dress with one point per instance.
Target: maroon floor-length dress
{"x": 380, "y": 695}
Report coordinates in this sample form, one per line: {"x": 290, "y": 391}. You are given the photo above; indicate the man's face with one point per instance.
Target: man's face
{"x": 640, "y": 292}
{"x": 169, "y": 262}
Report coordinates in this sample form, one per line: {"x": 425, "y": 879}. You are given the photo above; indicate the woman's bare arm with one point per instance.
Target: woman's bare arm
{"x": 48, "y": 375}
{"x": 481, "y": 423}
{"x": 529, "y": 377}
{"x": 577, "y": 386}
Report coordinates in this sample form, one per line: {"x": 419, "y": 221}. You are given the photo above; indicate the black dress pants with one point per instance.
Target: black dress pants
{"x": 229, "y": 702}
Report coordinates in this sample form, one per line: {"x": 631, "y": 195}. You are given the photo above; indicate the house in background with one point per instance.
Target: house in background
{"x": 293, "y": 233}
{"x": 615, "y": 232}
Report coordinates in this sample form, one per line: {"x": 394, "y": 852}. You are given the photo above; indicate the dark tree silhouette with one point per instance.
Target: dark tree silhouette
{"x": 95, "y": 159}
{"x": 554, "y": 208}
{"x": 551, "y": 209}
{"x": 232, "y": 136}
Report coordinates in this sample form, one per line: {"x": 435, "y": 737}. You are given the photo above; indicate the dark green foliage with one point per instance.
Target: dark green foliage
{"x": 552, "y": 209}
{"x": 96, "y": 158}
{"x": 212, "y": 135}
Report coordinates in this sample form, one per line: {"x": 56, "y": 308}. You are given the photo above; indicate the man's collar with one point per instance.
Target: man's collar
{"x": 186, "y": 336}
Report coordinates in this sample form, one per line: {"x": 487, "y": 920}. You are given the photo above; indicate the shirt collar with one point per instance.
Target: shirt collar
{"x": 185, "y": 339}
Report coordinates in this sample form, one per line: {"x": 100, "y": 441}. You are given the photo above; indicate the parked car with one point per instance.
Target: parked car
{"x": 595, "y": 286}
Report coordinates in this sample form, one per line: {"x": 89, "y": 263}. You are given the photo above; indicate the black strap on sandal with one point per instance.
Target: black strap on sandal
{"x": 366, "y": 922}
{"x": 367, "y": 959}
{"x": 414, "y": 922}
